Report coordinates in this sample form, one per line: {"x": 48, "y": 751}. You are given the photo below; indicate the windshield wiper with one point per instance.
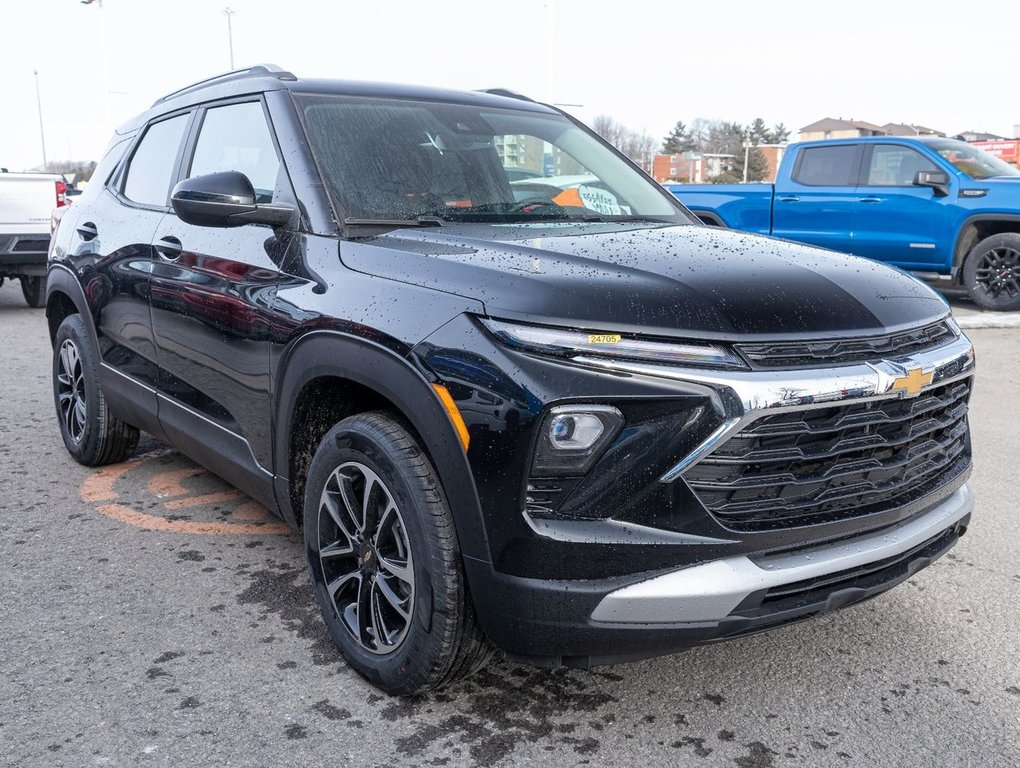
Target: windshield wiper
{"x": 420, "y": 221}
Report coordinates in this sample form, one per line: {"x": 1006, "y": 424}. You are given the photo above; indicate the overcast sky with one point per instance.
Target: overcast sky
{"x": 948, "y": 65}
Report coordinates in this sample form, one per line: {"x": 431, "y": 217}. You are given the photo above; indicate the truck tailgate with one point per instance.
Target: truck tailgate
{"x": 26, "y": 201}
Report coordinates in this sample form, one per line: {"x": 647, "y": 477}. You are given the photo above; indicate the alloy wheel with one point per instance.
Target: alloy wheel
{"x": 998, "y": 272}
{"x": 365, "y": 557}
{"x": 71, "y": 391}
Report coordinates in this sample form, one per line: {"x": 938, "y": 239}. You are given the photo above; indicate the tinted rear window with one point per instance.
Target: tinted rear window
{"x": 828, "y": 166}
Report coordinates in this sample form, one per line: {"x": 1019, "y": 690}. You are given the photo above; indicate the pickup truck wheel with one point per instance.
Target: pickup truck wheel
{"x": 991, "y": 273}
{"x": 384, "y": 559}
{"x": 34, "y": 291}
{"x": 92, "y": 435}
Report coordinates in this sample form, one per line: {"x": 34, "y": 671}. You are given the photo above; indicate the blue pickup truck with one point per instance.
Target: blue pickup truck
{"x": 921, "y": 204}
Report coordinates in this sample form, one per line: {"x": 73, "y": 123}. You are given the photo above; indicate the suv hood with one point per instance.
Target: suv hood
{"x": 691, "y": 281}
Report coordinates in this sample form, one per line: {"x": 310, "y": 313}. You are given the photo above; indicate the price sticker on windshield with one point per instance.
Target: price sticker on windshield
{"x": 601, "y": 200}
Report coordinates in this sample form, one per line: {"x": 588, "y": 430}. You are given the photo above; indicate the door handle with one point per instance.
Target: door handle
{"x": 788, "y": 199}
{"x": 869, "y": 200}
{"x": 87, "y": 231}
{"x": 169, "y": 248}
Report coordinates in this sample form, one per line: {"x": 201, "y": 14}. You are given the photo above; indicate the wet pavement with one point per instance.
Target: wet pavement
{"x": 151, "y": 615}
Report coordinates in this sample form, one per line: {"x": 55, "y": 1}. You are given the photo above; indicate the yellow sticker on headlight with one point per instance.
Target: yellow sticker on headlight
{"x": 603, "y": 338}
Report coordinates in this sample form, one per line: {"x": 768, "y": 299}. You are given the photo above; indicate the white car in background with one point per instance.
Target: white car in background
{"x": 27, "y": 201}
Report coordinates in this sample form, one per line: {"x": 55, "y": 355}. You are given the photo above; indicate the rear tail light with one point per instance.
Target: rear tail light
{"x": 61, "y": 193}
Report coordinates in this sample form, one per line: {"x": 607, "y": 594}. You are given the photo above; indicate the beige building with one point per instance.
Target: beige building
{"x": 833, "y": 128}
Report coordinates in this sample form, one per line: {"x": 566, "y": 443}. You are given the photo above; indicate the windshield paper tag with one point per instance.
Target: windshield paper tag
{"x": 603, "y": 338}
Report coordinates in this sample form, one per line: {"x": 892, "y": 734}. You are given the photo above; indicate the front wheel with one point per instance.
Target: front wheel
{"x": 991, "y": 273}
{"x": 384, "y": 559}
{"x": 34, "y": 291}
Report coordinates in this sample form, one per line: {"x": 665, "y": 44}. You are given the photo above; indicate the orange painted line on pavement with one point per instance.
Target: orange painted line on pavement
{"x": 169, "y": 483}
{"x": 252, "y": 511}
{"x": 99, "y": 485}
{"x": 208, "y": 498}
{"x": 124, "y": 514}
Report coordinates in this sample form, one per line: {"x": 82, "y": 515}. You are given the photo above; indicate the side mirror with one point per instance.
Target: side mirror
{"x": 225, "y": 199}
{"x": 937, "y": 180}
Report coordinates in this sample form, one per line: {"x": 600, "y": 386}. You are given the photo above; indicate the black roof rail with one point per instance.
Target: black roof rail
{"x": 259, "y": 70}
{"x": 507, "y": 93}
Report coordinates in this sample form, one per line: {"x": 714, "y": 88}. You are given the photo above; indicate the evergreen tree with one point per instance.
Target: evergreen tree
{"x": 677, "y": 140}
{"x": 779, "y": 134}
{"x": 760, "y": 133}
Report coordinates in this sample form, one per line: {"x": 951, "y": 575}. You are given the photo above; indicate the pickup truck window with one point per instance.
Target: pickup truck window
{"x": 893, "y": 165}
{"x": 148, "y": 174}
{"x": 236, "y": 138}
{"x": 974, "y": 162}
{"x": 834, "y": 166}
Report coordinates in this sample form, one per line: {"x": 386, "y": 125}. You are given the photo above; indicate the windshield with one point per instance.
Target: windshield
{"x": 974, "y": 162}
{"x": 405, "y": 160}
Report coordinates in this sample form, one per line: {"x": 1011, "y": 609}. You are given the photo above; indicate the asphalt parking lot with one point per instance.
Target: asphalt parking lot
{"x": 151, "y": 615}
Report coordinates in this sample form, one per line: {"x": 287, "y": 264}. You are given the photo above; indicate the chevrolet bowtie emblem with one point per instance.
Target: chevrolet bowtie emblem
{"x": 912, "y": 383}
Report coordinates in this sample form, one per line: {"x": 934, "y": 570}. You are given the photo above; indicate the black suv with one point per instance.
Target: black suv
{"x": 514, "y": 394}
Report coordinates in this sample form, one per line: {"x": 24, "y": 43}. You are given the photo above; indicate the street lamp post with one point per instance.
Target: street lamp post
{"x": 38, "y": 102}
{"x": 105, "y": 58}
{"x": 747, "y": 153}
{"x": 229, "y": 13}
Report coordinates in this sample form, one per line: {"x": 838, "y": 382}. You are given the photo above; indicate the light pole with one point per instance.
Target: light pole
{"x": 747, "y": 153}
{"x": 105, "y": 58}
{"x": 38, "y": 102}
{"x": 230, "y": 33}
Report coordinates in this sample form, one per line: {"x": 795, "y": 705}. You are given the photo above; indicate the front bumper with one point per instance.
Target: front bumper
{"x": 707, "y": 594}
{"x": 587, "y": 624}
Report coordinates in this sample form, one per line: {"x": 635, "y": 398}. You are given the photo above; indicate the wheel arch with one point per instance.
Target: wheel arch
{"x": 709, "y": 218}
{"x": 64, "y": 296}
{"x": 975, "y": 229}
{"x": 358, "y": 376}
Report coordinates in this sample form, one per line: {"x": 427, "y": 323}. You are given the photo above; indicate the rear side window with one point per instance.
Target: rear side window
{"x": 828, "y": 166}
{"x": 102, "y": 173}
{"x": 152, "y": 165}
{"x": 896, "y": 166}
{"x": 237, "y": 138}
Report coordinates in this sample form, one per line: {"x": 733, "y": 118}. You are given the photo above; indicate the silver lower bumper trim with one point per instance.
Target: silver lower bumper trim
{"x": 708, "y": 593}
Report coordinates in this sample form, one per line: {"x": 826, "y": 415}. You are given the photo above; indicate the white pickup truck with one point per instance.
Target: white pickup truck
{"x": 26, "y": 202}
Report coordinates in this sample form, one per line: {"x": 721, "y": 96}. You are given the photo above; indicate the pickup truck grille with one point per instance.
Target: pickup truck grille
{"x": 817, "y": 465}
{"x": 798, "y": 354}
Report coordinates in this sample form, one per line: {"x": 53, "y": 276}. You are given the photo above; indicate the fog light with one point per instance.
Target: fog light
{"x": 576, "y": 430}
{"x": 573, "y": 437}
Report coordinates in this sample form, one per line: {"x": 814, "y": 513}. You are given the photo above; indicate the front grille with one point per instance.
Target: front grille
{"x": 823, "y": 464}
{"x": 797, "y": 354}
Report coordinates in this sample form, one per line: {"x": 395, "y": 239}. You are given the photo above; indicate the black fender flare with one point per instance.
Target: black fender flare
{"x": 958, "y": 254}
{"x": 60, "y": 279}
{"x": 330, "y": 353}
{"x": 709, "y": 218}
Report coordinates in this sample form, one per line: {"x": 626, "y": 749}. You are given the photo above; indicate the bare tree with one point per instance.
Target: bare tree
{"x": 637, "y": 146}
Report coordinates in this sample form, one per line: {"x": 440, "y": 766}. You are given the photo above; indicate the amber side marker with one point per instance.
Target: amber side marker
{"x": 454, "y": 413}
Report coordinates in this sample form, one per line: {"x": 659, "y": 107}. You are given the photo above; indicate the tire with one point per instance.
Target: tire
{"x": 34, "y": 291}
{"x": 991, "y": 273}
{"x": 92, "y": 435}
{"x": 399, "y": 566}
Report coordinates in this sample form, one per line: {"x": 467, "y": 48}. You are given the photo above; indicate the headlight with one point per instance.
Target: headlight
{"x": 567, "y": 343}
{"x": 573, "y": 437}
